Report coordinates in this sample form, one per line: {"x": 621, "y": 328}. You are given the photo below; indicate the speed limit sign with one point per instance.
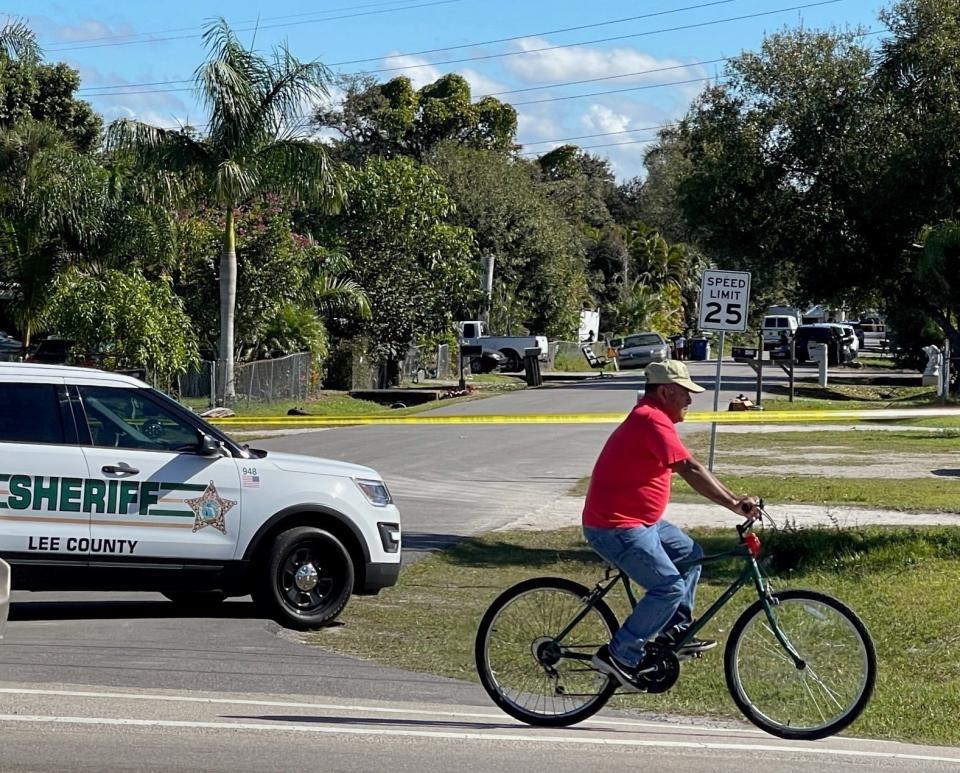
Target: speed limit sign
{"x": 724, "y": 300}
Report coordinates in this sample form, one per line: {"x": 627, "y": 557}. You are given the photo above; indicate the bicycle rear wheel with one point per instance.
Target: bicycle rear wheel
{"x": 827, "y": 692}
{"x": 531, "y": 674}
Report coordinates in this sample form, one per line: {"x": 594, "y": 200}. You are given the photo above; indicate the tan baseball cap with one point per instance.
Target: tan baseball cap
{"x": 671, "y": 372}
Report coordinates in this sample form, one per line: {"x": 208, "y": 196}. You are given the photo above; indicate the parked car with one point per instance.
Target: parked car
{"x": 489, "y": 362}
{"x": 858, "y": 332}
{"x": 51, "y": 351}
{"x": 10, "y": 348}
{"x": 775, "y": 326}
{"x": 839, "y": 349}
{"x": 854, "y": 332}
{"x": 640, "y": 349}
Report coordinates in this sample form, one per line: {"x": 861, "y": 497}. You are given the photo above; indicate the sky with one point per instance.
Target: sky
{"x": 603, "y": 75}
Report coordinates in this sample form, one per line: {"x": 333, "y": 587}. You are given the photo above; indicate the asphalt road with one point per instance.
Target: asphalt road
{"x": 68, "y": 729}
{"x": 203, "y": 686}
{"x": 619, "y": 390}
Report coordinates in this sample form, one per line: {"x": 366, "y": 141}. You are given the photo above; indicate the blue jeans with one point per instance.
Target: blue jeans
{"x": 647, "y": 554}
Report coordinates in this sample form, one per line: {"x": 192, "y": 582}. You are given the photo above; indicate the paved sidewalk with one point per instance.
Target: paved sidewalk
{"x": 565, "y": 511}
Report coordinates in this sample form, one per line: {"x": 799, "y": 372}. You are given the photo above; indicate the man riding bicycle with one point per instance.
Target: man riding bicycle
{"x": 623, "y": 521}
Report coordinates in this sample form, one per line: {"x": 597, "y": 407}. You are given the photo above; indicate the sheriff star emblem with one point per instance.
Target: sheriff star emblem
{"x": 209, "y": 509}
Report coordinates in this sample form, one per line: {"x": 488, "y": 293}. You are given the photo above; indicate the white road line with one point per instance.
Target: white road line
{"x": 463, "y": 736}
{"x": 498, "y": 717}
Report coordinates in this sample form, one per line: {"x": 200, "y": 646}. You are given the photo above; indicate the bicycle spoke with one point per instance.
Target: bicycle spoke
{"x": 813, "y": 698}
{"x": 833, "y": 696}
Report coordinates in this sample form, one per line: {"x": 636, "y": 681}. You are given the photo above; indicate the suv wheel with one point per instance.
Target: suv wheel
{"x": 308, "y": 578}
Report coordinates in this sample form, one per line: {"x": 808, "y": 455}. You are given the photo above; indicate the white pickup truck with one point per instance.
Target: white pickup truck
{"x": 475, "y": 333}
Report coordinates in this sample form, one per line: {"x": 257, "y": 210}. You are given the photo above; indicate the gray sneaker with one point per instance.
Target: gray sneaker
{"x": 692, "y": 647}
{"x": 626, "y": 675}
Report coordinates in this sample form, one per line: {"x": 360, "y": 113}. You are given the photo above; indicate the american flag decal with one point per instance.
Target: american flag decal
{"x": 250, "y": 481}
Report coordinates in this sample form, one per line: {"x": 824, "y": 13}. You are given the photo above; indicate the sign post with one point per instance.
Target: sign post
{"x": 724, "y": 305}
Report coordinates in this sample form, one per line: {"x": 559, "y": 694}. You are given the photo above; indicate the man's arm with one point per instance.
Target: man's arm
{"x": 708, "y": 485}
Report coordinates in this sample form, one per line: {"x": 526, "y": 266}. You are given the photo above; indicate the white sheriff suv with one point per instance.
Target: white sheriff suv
{"x": 107, "y": 484}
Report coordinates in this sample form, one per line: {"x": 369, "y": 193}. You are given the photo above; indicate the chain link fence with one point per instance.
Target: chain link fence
{"x": 426, "y": 363}
{"x": 283, "y": 378}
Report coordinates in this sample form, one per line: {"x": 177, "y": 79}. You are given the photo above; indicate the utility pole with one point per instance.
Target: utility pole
{"x": 486, "y": 284}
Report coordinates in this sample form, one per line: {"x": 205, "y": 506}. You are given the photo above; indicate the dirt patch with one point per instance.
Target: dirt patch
{"x": 900, "y": 466}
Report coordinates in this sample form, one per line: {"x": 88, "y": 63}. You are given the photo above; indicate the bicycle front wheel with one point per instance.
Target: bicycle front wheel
{"x": 831, "y": 686}
{"x": 528, "y": 670}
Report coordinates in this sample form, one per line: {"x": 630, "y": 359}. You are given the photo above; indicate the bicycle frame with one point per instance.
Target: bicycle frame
{"x": 751, "y": 573}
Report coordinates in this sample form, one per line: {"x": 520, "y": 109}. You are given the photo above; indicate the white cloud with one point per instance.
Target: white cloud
{"x": 580, "y": 63}
{"x": 481, "y": 85}
{"x": 77, "y": 32}
{"x": 536, "y": 125}
{"x": 600, "y": 118}
{"x": 90, "y": 29}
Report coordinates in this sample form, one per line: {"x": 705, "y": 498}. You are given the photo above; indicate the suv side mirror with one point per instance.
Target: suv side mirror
{"x": 210, "y": 446}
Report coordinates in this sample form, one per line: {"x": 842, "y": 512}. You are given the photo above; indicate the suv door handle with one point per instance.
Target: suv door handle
{"x": 121, "y": 469}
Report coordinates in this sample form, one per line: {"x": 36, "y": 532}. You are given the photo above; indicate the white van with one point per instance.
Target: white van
{"x": 774, "y": 326}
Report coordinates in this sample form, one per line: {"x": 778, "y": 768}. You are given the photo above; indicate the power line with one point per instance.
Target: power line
{"x": 466, "y": 45}
{"x": 608, "y": 77}
{"x": 537, "y": 50}
{"x": 257, "y": 27}
{"x": 610, "y": 91}
{"x": 591, "y": 147}
{"x": 538, "y": 34}
{"x": 246, "y": 21}
{"x": 603, "y": 40}
{"x": 601, "y": 134}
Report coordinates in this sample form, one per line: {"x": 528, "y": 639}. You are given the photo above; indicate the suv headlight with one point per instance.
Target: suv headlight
{"x": 375, "y": 491}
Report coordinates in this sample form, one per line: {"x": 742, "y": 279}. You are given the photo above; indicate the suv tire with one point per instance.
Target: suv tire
{"x": 307, "y": 578}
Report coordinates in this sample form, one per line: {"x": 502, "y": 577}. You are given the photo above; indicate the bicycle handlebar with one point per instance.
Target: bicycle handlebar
{"x": 743, "y": 528}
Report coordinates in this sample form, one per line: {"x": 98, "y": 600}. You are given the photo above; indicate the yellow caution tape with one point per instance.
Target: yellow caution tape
{"x": 720, "y": 417}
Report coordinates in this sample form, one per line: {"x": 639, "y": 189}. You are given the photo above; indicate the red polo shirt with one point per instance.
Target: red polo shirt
{"x": 630, "y": 485}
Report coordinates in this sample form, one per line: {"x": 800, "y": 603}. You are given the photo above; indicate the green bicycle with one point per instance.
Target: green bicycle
{"x": 798, "y": 664}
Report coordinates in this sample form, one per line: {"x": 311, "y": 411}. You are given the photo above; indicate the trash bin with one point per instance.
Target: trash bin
{"x": 531, "y": 366}
{"x": 699, "y": 349}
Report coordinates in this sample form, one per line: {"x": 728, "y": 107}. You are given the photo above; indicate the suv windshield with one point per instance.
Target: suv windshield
{"x": 646, "y": 339}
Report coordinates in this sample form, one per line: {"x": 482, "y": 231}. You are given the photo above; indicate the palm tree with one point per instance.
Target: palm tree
{"x": 251, "y": 147}
{"x": 335, "y": 292}
{"x": 17, "y": 42}
{"x": 51, "y": 208}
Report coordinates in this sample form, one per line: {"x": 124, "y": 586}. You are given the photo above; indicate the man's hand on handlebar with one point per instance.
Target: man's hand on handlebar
{"x": 749, "y": 507}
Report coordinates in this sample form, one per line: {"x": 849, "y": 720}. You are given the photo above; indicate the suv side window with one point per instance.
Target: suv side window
{"x": 30, "y": 413}
{"x": 125, "y": 418}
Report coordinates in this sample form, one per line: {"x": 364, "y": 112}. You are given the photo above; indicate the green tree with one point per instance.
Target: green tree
{"x": 783, "y": 164}
{"x": 539, "y": 254}
{"x": 248, "y": 149}
{"x": 933, "y": 280}
{"x": 393, "y": 119}
{"x": 52, "y": 204}
{"x": 294, "y": 328}
{"x": 416, "y": 268}
{"x": 126, "y": 318}
{"x": 282, "y": 278}
{"x": 30, "y": 89}
{"x": 580, "y": 183}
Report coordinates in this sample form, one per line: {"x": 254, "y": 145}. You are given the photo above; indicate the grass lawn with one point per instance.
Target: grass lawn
{"x": 850, "y": 397}
{"x": 916, "y": 494}
{"x": 854, "y": 442}
{"x": 902, "y": 582}
{"x": 335, "y": 403}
